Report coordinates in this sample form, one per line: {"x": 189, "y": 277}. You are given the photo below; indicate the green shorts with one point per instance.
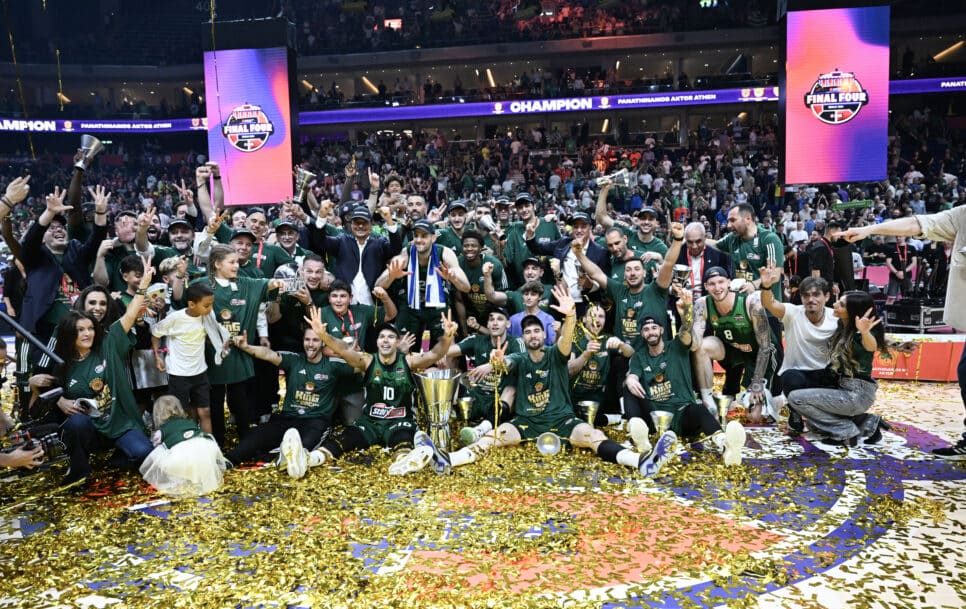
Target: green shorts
{"x": 736, "y": 358}
{"x": 531, "y": 428}
{"x": 378, "y": 432}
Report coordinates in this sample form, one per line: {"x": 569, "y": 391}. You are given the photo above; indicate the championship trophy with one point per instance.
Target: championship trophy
{"x": 303, "y": 178}
{"x": 548, "y": 444}
{"x": 662, "y": 420}
{"x": 681, "y": 275}
{"x": 465, "y": 405}
{"x": 619, "y": 178}
{"x": 589, "y": 409}
{"x": 90, "y": 147}
{"x": 724, "y": 403}
{"x": 437, "y": 388}
{"x": 291, "y": 276}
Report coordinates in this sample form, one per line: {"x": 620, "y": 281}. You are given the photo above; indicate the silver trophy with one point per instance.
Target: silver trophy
{"x": 619, "y": 178}
{"x": 437, "y": 389}
{"x": 90, "y": 147}
{"x": 548, "y": 444}
{"x": 291, "y": 276}
{"x": 681, "y": 275}
{"x": 303, "y": 178}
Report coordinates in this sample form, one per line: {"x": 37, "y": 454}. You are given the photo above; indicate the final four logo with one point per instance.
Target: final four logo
{"x": 836, "y": 97}
{"x": 247, "y": 128}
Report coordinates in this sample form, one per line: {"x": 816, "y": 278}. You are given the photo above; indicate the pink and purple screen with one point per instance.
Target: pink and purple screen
{"x": 837, "y": 87}
{"x": 249, "y": 126}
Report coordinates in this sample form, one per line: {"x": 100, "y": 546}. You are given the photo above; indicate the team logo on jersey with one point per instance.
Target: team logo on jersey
{"x": 188, "y": 434}
{"x": 631, "y": 313}
{"x": 659, "y": 378}
{"x": 310, "y": 386}
{"x": 743, "y": 264}
{"x": 836, "y": 97}
{"x": 99, "y": 368}
{"x": 593, "y": 365}
{"x": 475, "y": 288}
{"x": 97, "y": 384}
{"x": 225, "y": 314}
{"x": 237, "y": 302}
{"x": 538, "y": 388}
{"x": 247, "y": 128}
{"x": 321, "y": 377}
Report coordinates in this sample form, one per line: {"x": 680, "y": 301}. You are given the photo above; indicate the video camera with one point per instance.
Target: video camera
{"x": 29, "y": 435}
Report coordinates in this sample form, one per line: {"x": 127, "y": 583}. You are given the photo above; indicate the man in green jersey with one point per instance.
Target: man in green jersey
{"x": 741, "y": 339}
{"x": 660, "y": 379}
{"x": 642, "y": 239}
{"x": 473, "y": 261}
{"x": 595, "y": 350}
{"x": 305, "y": 416}
{"x": 388, "y": 418}
{"x": 616, "y": 242}
{"x": 543, "y": 402}
{"x": 513, "y": 299}
{"x": 451, "y": 236}
{"x": 477, "y": 349}
{"x": 516, "y": 250}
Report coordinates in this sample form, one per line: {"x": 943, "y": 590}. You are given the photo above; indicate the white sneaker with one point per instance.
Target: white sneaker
{"x": 317, "y": 457}
{"x": 293, "y": 455}
{"x": 637, "y": 429}
{"x": 413, "y": 461}
{"x": 651, "y": 464}
{"x": 734, "y": 441}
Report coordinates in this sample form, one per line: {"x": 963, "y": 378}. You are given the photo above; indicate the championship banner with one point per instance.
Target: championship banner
{"x": 250, "y": 123}
{"x": 837, "y": 95}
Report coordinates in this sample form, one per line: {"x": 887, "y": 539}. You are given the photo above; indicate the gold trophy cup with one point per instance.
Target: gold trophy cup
{"x": 662, "y": 420}
{"x": 303, "y": 178}
{"x": 589, "y": 408}
{"x": 437, "y": 388}
{"x": 90, "y": 147}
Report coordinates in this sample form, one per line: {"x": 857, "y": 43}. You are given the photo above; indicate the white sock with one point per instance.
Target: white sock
{"x": 614, "y": 419}
{"x": 463, "y": 456}
{"x": 483, "y": 428}
{"x": 708, "y": 399}
{"x": 629, "y": 458}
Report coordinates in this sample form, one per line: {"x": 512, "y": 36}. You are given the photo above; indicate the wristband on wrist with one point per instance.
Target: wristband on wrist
{"x": 141, "y": 292}
{"x": 6, "y": 202}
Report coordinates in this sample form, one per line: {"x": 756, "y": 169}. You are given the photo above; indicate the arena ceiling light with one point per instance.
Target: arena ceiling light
{"x": 603, "y": 128}
{"x": 948, "y": 51}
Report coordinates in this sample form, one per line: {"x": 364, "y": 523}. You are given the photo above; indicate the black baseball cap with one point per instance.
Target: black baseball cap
{"x": 495, "y": 309}
{"x": 457, "y": 204}
{"x": 388, "y": 326}
{"x": 529, "y": 320}
{"x": 647, "y": 209}
{"x": 534, "y": 261}
{"x": 280, "y": 224}
{"x": 523, "y": 197}
{"x": 361, "y": 212}
{"x": 243, "y": 232}
{"x": 716, "y": 271}
{"x": 649, "y": 319}
{"x": 580, "y": 217}
{"x": 179, "y": 222}
{"x": 346, "y": 209}
{"x": 503, "y": 201}
{"x": 424, "y": 225}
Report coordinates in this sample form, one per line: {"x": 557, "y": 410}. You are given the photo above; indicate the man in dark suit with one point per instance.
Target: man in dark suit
{"x": 560, "y": 249}
{"x": 359, "y": 257}
{"x": 698, "y": 256}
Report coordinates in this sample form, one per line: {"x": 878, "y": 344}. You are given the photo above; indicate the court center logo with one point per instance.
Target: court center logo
{"x": 247, "y": 128}
{"x": 836, "y": 97}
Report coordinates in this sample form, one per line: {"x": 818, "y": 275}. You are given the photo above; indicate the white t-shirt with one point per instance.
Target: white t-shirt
{"x": 186, "y": 343}
{"x": 806, "y": 345}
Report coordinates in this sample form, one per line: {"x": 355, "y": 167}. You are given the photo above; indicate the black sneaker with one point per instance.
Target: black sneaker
{"x": 796, "y": 425}
{"x": 876, "y": 436}
{"x": 956, "y": 452}
{"x": 850, "y": 442}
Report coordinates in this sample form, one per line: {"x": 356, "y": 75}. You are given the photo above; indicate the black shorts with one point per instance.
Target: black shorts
{"x": 192, "y": 391}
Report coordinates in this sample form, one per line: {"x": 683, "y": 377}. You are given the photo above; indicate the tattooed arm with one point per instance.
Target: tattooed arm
{"x": 766, "y": 349}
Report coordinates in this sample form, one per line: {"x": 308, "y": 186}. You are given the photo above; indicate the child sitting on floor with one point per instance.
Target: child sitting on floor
{"x": 185, "y": 462}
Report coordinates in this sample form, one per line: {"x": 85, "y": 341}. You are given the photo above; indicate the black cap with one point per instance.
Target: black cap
{"x": 503, "y": 201}
{"x": 346, "y": 209}
{"x": 530, "y": 320}
{"x": 649, "y": 319}
{"x": 283, "y": 223}
{"x": 361, "y": 212}
{"x": 243, "y": 232}
{"x": 424, "y": 225}
{"x": 457, "y": 204}
{"x": 647, "y": 209}
{"x": 580, "y": 217}
{"x": 179, "y": 222}
{"x": 716, "y": 271}
{"x": 532, "y": 260}
{"x": 495, "y": 309}
{"x": 523, "y": 197}
{"x": 255, "y": 210}
{"x": 388, "y": 326}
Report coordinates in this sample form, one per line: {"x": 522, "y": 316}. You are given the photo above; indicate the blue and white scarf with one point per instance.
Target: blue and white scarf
{"x": 435, "y": 292}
